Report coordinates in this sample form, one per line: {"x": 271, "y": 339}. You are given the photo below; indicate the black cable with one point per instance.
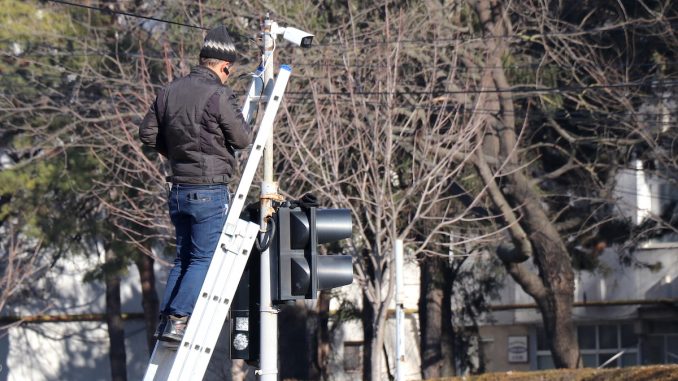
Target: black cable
{"x": 107, "y": 10}
{"x": 263, "y": 241}
{"x": 524, "y": 37}
{"x": 111, "y": 11}
{"x": 479, "y": 68}
{"x": 522, "y": 89}
{"x": 374, "y": 43}
{"x": 337, "y": 65}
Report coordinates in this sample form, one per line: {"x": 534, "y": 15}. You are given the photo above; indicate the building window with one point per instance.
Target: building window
{"x": 660, "y": 345}
{"x": 610, "y": 341}
{"x": 598, "y": 344}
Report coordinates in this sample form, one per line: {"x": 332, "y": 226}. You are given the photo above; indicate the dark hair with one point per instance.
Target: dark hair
{"x": 209, "y": 61}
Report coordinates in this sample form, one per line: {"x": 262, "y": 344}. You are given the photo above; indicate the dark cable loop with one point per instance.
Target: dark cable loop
{"x": 263, "y": 242}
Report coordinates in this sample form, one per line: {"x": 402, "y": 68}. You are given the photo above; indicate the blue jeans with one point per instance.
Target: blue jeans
{"x": 198, "y": 213}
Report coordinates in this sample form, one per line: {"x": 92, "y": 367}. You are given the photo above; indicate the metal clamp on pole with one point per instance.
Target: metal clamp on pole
{"x": 262, "y": 372}
{"x": 271, "y": 310}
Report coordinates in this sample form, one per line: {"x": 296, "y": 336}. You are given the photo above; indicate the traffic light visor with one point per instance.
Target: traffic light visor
{"x": 331, "y": 224}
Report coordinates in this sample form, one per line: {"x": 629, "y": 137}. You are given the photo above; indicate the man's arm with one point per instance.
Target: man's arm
{"x": 151, "y": 128}
{"x": 236, "y": 130}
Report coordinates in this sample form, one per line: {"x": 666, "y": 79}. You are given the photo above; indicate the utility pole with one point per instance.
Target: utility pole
{"x": 268, "y": 338}
{"x": 400, "y": 313}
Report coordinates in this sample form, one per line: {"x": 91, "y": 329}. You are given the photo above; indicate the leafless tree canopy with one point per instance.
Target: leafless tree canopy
{"x": 495, "y": 124}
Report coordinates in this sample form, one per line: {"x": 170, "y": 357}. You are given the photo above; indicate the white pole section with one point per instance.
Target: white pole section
{"x": 400, "y": 315}
{"x": 268, "y": 361}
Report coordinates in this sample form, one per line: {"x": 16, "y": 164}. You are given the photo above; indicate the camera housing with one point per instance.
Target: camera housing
{"x": 298, "y": 37}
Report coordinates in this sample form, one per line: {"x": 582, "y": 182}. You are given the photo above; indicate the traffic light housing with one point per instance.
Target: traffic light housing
{"x": 244, "y": 318}
{"x": 299, "y": 272}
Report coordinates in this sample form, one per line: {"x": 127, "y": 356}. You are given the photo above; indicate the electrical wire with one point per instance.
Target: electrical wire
{"x": 111, "y": 11}
{"x": 404, "y": 41}
{"x": 521, "y": 89}
{"x": 516, "y": 90}
{"x": 481, "y": 68}
{"x": 337, "y": 65}
{"x": 524, "y": 37}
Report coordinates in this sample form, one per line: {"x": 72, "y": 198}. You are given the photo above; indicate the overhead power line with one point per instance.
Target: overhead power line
{"x": 518, "y": 90}
{"x": 301, "y": 95}
{"x": 84, "y": 53}
{"x": 111, "y": 11}
{"x": 520, "y": 37}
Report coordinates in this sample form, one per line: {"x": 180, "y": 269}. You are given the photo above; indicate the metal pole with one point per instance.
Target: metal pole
{"x": 268, "y": 362}
{"x": 400, "y": 315}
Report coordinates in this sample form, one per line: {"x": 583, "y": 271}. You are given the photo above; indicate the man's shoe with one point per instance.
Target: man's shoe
{"x": 174, "y": 329}
{"x": 161, "y": 327}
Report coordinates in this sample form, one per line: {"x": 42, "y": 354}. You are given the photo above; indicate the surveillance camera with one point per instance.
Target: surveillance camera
{"x": 298, "y": 37}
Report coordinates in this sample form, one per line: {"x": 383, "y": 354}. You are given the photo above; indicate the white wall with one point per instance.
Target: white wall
{"x": 352, "y": 331}
{"x": 71, "y": 350}
{"x": 611, "y": 282}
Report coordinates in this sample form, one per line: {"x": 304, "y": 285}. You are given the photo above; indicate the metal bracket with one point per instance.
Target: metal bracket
{"x": 270, "y": 310}
{"x": 261, "y": 372}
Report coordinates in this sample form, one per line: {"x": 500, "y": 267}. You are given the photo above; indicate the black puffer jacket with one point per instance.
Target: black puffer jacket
{"x": 196, "y": 123}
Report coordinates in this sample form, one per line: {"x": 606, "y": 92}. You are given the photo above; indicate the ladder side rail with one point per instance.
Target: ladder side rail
{"x": 158, "y": 366}
{"x": 164, "y": 359}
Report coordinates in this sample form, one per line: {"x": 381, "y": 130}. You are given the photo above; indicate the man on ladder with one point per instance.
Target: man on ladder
{"x": 196, "y": 123}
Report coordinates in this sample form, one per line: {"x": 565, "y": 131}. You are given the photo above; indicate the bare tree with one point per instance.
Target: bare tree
{"x": 552, "y": 177}
{"x": 434, "y": 127}
{"x": 359, "y": 143}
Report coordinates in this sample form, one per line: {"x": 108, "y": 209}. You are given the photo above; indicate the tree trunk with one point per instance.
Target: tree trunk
{"x": 437, "y": 334}
{"x": 556, "y": 297}
{"x": 530, "y": 227}
{"x": 312, "y": 337}
{"x": 378, "y": 342}
{"x": 373, "y": 333}
{"x": 149, "y": 298}
{"x": 323, "y": 334}
{"x": 116, "y": 329}
{"x": 368, "y": 337}
{"x": 430, "y": 307}
{"x": 448, "y": 368}
{"x": 239, "y": 370}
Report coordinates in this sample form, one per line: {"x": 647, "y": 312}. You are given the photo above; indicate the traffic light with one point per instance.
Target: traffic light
{"x": 298, "y": 270}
